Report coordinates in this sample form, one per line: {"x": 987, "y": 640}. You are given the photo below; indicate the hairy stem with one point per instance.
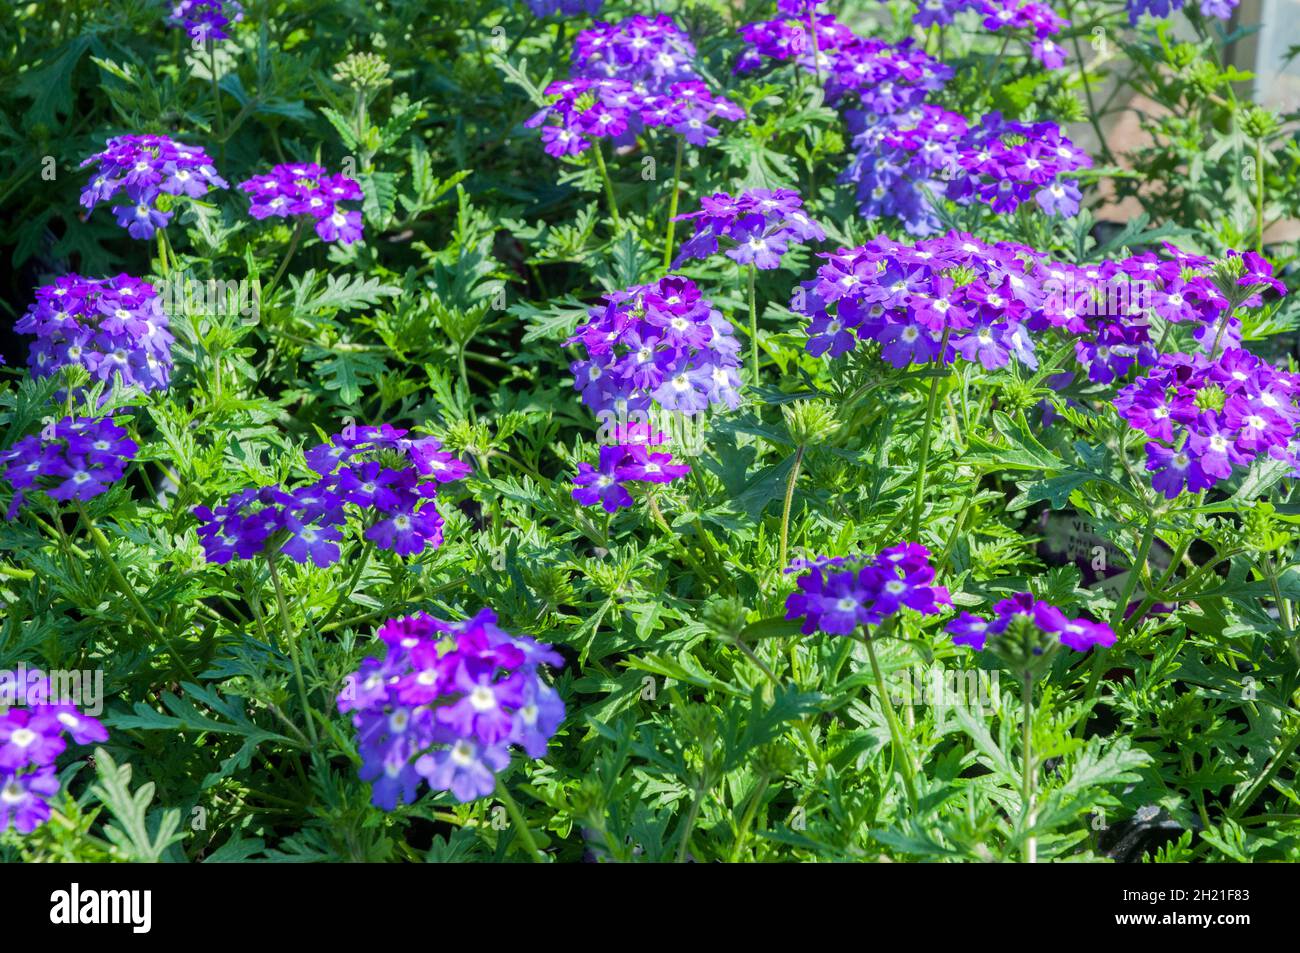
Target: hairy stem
{"x": 672, "y": 207}
{"x": 785, "y": 512}
{"x": 283, "y": 610}
{"x": 521, "y": 825}
{"x": 919, "y": 498}
{"x": 904, "y": 757}
{"x": 1028, "y": 772}
{"x": 609, "y": 188}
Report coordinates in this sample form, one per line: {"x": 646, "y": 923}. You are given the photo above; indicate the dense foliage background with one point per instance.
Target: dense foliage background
{"x": 699, "y": 723}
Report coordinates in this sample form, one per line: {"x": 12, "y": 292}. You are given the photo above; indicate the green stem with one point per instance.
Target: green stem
{"x": 464, "y": 380}
{"x": 521, "y": 825}
{"x": 688, "y": 824}
{"x": 687, "y": 555}
{"x": 933, "y": 401}
{"x": 753, "y": 324}
{"x": 283, "y": 610}
{"x": 895, "y": 730}
{"x": 1028, "y": 772}
{"x": 348, "y": 589}
{"x": 162, "y": 254}
{"x": 1283, "y": 610}
{"x": 609, "y": 188}
{"x": 284, "y": 263}
{"x": 216, "y": 95}
{"x": 141, "y": 613}
{"x": 1117, "y": 621}
{"x": 785, "y": 512}
{"x": 1218, "y": 337}
{"x": 747, "y": 821}
{"x": 1259, "y": 196}
{"x": 941, "y": 565}
{"x": 672, "y": 207}
{"x": 1135, "y": 572}
{"x": 1257, "y": 788}
{"x": 997, "y": 63}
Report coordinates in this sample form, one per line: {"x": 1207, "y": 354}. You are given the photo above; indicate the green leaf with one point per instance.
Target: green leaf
{"x": 139, "y": 834}
{"x": 1018, "y": 450}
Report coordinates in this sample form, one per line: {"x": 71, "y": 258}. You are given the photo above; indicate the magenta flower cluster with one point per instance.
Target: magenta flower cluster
{"x": 1035, "y": 23}
{"x": 1077, "y": 634}
{"x": 660, "y": 343}
{"x": 387, "y": 479}
{"x": 77, "y": 458}
{"x": 880, "y": 77}
{"x": 139, "y": 171}
{"x": 838, "y": 594}
{"x": 912, "y": 298}
{"x": 113, "y": 327}
{"x": 206, "y": 19}
{"x": 1005, "y": 164}
{"x": 760, "y": 225}
{"x": 904, "y": 159}
{"x": 1219, "y": 9}
{"x": 584, "y": 111}
{"x": 628, "y": 77}
{"x": 307, "y": 189}
{"x": 1207, "y": 417}
{"x": 33, "y": 725}
{"x": 651, "y": 53}
{"x": 640, "y": 457}
{"x": 445, "y": 704}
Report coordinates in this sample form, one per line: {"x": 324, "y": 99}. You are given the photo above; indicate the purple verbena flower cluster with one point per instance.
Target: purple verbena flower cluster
{"x": 138, "y": 171}
{"x": 587, "y": 110}
{"x": 444, "y": 705}
{"x": 760, "y": 224}
{"x": 1005, "y": 164}
{"x": 627, "y": 77}
{"x": 305, "y": 188}
{"x": 797, "y": 8}
{"x": 389, "y": 480}
{"x": 31, "y": 740}
{"x": 1077, "y": 634}
{"x": 1219, "y": 9}
{"x": 784, "y": 39}
{"x": 1110, "y": 305}
{"x": 909, "y": 298}
{"x": 993, "y": 301}
{"x": 1206, "y": 418}
{"x": 77, "y": 458}
{"x": 662, "y": 343}
{"x": 838, "y": 594}
{"x": 1035, "y": 22}
{"x": 113, "y": 327}
{"x": 903, "y": 159}
{"x": 885, "y": 77}
{"x": 206, "y": 19}
{"x": 640, "y": 458}
{"x": 651, "y": 53}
